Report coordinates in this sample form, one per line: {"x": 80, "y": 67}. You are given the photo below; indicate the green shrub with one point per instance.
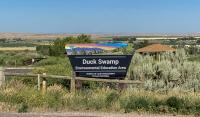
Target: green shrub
{"x": 16, "y": 58}
{"x": 36, "y": 99}
{"x": 126, "y": 104}
{"x": 80, "y": 100}
{"x": 96, "y": 103}
{"x": 92, "y": 100}
{"x": 23, "y": 108}
{"x": 175, "y": 103}
{"x": 171, "y": 71}
{"x": 158, "y": 106}
{"x": 16, "y": 99}
{"x": 54, "y": 66}
{"x": 53, "y": 61}
{"x": 133, "y": 102}
{"x": 58, "y": 46}
{"x": 54, "y": 96}
{"x": 111, "y": 97}
{"x": 197, "y": 108}
{"x": 1, "y": 97}
{"x": 142, "y": 103}
{"x": 58, "y": 98}
{"x": 195, "y": 58}
{"x": 54, "y": 101}
{"x": 21, "y": 82}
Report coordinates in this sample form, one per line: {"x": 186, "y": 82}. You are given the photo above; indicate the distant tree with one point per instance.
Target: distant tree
{"x": 192, "y": 50}
{"x": 131, "y": 39}
{"x": 173, "y": 42}
{"x": 186, "y": 38}
{"x": 43, "y": 49}
{"x": 3, "y": 40}
{"x": 17, "y": 39}
{"x": 58, "y": 46}
{"x": 121, "y": 38}
{"x": 141, "y": 44}
{"x": 69, "y": 40}
{"x": 84, "y": 39}
{"x": 79, "y": 39}
{"x": 128, "y": 50}
{"x": 198, "y": 41}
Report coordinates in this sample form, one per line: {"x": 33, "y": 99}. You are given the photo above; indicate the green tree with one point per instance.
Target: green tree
{"x": 84, "y": 39}
{"x": 128, "y": 50}
{"x": 68, "y": 40}
{"x": 141, "y": 44}
{"x": 198, "y": 41}
{"x": 131, "y": 40}
{"x": 58, "y": 46}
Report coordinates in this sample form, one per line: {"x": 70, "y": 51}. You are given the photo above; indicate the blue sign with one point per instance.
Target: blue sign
{"x": 100, "y": 66}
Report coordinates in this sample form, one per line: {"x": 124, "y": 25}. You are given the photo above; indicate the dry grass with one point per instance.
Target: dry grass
{"x": 43, "y": 43}
{"x": 17, "y": 48}
{"x": 59, "y": 99}
{"x": 5, "y": 107}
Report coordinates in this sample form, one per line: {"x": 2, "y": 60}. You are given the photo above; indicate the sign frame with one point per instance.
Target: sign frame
{"x": 101, "y": 66}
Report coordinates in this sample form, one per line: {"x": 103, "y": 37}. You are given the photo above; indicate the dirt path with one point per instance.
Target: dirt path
{"x": 86, "y": 114}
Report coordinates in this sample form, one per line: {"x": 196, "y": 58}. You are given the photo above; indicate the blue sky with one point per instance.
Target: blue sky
{"x": 100, "y": 16}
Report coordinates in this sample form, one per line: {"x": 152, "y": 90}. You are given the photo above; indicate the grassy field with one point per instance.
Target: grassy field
{"x": 17, "y": 48}
{"x": 18, "y": 97}
{"x": 171, "y": 85}
{"x": 195, "y": 58}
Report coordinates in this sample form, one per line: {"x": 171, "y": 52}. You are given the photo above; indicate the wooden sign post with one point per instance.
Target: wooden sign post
{"x": 2, "y": 76}
{"x": 73, "y": 83}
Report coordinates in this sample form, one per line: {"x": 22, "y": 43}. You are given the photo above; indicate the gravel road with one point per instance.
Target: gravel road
{"x": 86, "y": 114}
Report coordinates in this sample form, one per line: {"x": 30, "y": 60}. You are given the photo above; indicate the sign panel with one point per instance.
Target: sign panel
{"x": 100, "y": 66}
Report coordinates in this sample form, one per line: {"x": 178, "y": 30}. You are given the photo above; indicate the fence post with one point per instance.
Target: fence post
{"x": 2, "y": 76}
{"x": 122, "y": 86}
{"x": 44, "y": 86}
{"x": 73, "y": 83}
{"x": 38, "y": 82}
{"x": 79, "y": 84}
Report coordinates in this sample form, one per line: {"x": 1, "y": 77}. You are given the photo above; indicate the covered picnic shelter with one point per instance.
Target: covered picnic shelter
{"x": 155, "y": 49}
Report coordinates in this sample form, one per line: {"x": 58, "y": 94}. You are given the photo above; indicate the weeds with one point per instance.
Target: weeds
{"x": 57, "y": 98}
{"x": 23, "y": 108}
{"x": 175, "y": 103}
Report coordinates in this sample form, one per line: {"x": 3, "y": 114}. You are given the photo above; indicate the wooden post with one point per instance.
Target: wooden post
{"x": 73, "y": 83}
{"x": 2, "y": 76}
{"x": 78, "y": 85}
{"x": 38, "y": 82}
{"x": 159, "y": 59}
{"x": 44, "y": 86}
{"x": 122, "y": 86}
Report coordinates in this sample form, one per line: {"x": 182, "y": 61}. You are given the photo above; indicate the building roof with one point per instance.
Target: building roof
{"x": 156, "y": 48}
